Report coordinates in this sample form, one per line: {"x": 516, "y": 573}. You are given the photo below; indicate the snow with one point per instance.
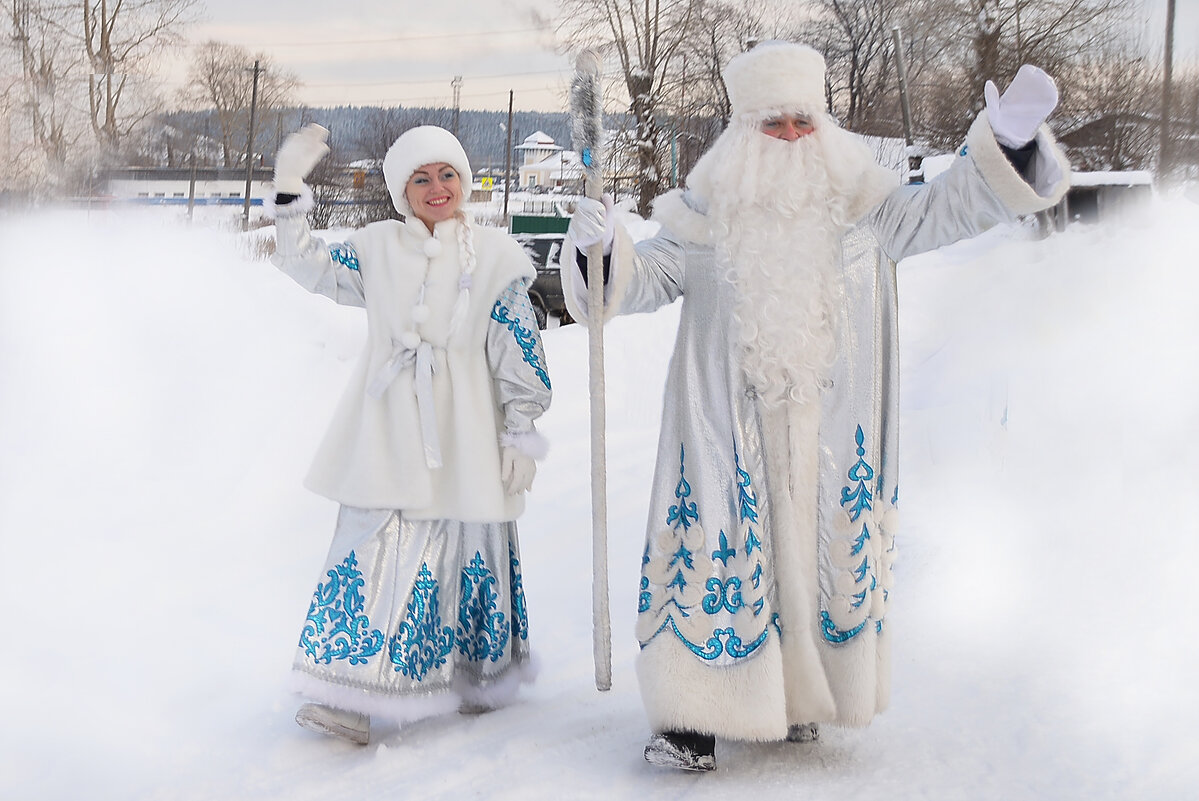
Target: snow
{"x": 163, "y": 392}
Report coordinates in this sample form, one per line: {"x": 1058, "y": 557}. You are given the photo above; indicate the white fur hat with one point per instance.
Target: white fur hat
{"x": 776, "y": 76}
{"x": 415, "y": 148}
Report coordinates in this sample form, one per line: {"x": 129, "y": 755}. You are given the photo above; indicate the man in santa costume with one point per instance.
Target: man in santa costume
{"x": 766, "y": 572}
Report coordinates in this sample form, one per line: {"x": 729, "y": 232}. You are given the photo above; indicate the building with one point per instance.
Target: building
{"x": 163, "y": 186}
{"x": 546, "y": 164}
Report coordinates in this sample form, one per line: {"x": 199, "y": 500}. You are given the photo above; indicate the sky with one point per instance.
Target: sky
{"x": 382, "y": 52}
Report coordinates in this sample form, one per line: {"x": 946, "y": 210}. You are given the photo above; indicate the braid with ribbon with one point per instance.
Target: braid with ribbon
{"x": 466, "y": 252}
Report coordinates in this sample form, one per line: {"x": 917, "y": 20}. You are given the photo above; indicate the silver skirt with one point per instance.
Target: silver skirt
{"x": 415, "y": 617}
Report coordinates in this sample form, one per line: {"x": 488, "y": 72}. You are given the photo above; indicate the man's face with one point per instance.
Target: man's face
{"x": 788, "y": 127}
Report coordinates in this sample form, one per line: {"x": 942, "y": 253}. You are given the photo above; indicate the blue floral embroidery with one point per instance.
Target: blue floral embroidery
{"x": 526, "y": 339}
{"x": 724, "y": 552}
{"x": 860, "y": 542}
{"x": 856, "y": 498}
{"x": 422, "y": 643}
{"x": 520, "y": 615}
{"x": 721, "y": 641}
{"x": 746, "y": 500}
{"x": 336, "y": 627}
{"x": 682, "y": 512}
{"x": 836, "y": 635}
{"x": 644, "y": 598}
{"x": 343, "y": 253}
{"x": 482, "y": 630}
{"x": 861, "y": 472}
{"x": 724, "y": 594}
{"x": 719, "y": 596}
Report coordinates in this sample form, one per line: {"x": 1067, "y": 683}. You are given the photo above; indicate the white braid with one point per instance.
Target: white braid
{"x": 466, "y": 253}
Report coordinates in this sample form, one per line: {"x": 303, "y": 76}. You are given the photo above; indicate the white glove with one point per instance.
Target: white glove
{"x": 516, "y": 470}
{"x": 1018, "y": 113}
{"x": 592, "y": 223}
{"x": 298, "y": 154}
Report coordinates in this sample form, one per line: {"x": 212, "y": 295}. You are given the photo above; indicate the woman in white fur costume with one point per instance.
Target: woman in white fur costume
{"x": 420, "y": 610}
{"x": 767, "y": 567}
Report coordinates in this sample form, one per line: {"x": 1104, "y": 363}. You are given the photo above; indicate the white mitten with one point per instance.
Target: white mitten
{"x": 298, "y": 154}
{"x": 517, "y": 470}
{"x": 592, "y": 223}
{"x": 1017, "y": 114}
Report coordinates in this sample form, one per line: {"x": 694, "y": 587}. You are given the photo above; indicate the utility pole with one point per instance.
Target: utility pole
{"x": 245, "y": 212}
{"x": 1163, "y": 150}
{"x": 508, "y": 161}
{"x": 191, "y": 187}
{"x": 457, "y": 84}
{"x": 915, "y": 161}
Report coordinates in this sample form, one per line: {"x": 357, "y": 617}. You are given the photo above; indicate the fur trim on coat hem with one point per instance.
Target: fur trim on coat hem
{"x": 740, "y": 702}
{"x": 407, "y": 708}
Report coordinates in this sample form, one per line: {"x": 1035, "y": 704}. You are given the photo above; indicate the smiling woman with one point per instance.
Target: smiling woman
{"x": 420, "y": 609}
{"x": 435, "y": 192}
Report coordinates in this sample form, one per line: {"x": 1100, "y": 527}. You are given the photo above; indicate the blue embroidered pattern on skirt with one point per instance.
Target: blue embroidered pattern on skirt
{"x": 482, "y": 630}
{"x": 520, "y": 615}
{"x": 336, "y": 627}
{"x": 422, "y": 644}
{"x": 344, "y": 254}
{"x": 525, "y": 335}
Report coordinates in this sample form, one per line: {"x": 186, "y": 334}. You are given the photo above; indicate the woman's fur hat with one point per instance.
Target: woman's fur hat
{"x": 415, "y": 148}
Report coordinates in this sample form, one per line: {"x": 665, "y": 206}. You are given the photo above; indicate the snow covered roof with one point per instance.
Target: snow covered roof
{"x": 538, "y": 141}
{"x": 1112, "y": 178}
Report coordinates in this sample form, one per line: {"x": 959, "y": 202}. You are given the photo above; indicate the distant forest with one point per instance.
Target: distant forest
{"x": 365, "y": 132}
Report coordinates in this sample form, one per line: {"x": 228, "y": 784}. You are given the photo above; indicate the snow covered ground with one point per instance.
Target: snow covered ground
{"x": 161, "y": 394}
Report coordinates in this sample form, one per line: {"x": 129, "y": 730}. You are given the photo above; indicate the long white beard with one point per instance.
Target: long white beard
{"x": 778, "y": 222}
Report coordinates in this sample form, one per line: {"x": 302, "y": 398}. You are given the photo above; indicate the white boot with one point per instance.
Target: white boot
{"x": 341, "y": 723}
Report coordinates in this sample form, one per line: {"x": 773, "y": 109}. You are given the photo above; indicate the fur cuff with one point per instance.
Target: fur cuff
{"x": 620, "y": 274}
{"x": 531, "y": 443}
{"x": 1017, "y": 194}
{"x": 676, "y": 216}
{"x": 297, "y": 208}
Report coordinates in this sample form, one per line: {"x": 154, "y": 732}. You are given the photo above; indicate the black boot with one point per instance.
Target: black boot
{"x": 803, "y": 733}
{"x": 682, "y": 749}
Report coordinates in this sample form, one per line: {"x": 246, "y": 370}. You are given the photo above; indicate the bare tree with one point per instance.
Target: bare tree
{"x": 45, "y": 92}
{"x": 644, "y": 38}
{"x": 219, "y": 79}
{"x": 855, "y": 37}
{"x": 119, "y": 37}
{"x": 1110, "y": 104}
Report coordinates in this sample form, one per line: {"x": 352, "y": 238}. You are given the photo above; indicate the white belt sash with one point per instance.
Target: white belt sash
{"x": 422, "y": 357}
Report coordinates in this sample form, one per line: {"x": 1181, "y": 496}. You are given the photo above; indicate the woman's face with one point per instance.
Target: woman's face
{"x": 787, "y": 126}
{"x": 435, "y": 192}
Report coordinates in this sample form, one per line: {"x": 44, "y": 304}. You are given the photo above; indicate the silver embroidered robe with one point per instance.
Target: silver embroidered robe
{"x": 767, "y": 567}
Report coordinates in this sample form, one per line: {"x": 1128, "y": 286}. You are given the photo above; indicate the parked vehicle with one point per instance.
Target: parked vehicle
{"x": 546, "y": 290}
